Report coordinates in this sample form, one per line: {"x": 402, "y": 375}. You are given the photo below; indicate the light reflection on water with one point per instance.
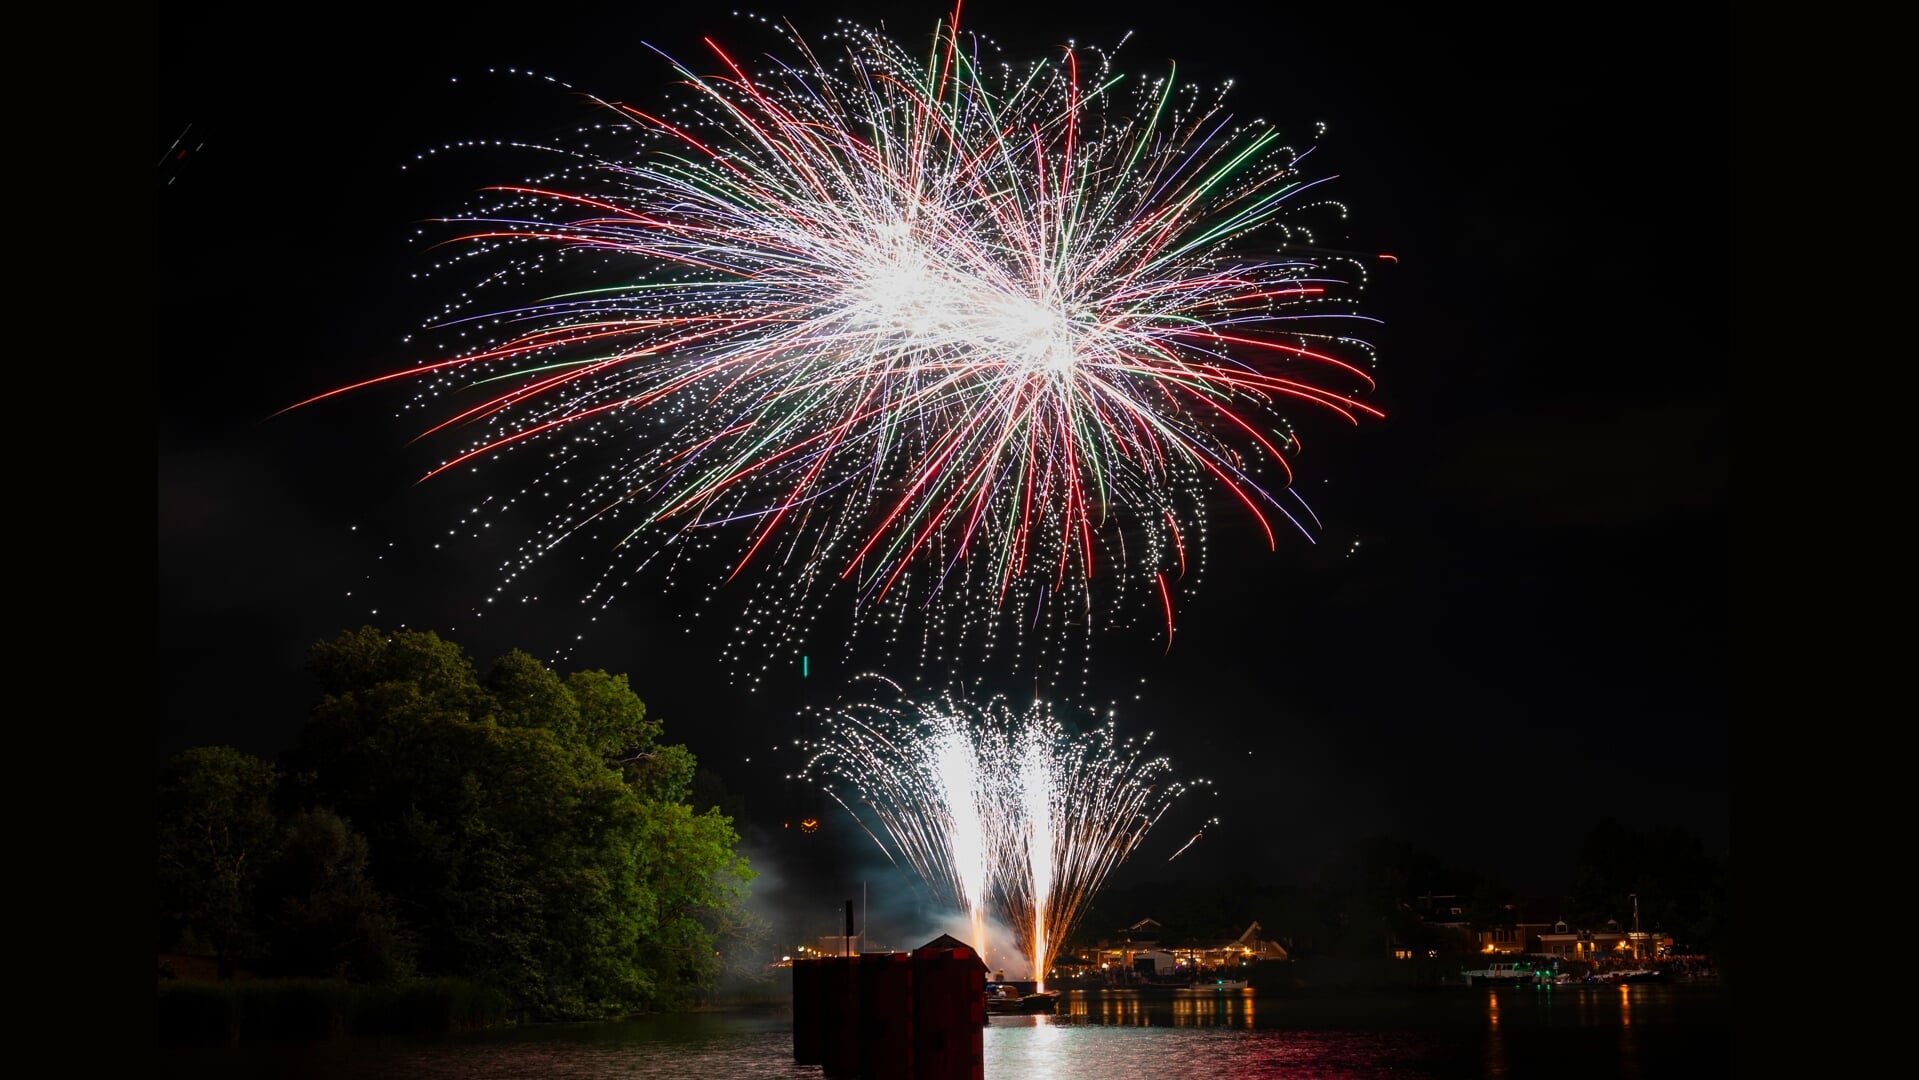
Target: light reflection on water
{"x": 1645, "y": 1032}
{"x": 1229, "y": 1008}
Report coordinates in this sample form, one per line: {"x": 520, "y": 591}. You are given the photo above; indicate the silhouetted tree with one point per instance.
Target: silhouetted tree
{"x": 217, "y": 834}
{"x": 1366, "y": 896}
{"x": 321, "y": 913}
{"x": 1677, "y": 885}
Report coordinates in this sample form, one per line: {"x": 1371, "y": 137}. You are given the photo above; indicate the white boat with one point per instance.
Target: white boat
{"x": 1500, "y": 974}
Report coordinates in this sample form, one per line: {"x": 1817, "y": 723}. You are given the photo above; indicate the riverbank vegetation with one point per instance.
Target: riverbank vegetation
{"x": 444, "y": 848}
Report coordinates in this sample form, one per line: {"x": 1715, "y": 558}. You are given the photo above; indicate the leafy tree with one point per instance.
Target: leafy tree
{"x": 695, "y": 881}
{"x": 385, "y": 748}
{"x": 1677, "y": 886}
{"x": 525, "y": 694}
{"x": 613, "y": 721}
{"x": 322, "y": 914}
{"x": 1489, "y": 904}
{"x": 217, "y": 834}
{"x": 1365, "y": 894}
{"x": 739, "y": 936}
{"x": 369, "y": 657}
{"x": 531, "y": 828}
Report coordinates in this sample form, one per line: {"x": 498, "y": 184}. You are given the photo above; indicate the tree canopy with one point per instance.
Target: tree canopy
{"x": 523, "y": 830}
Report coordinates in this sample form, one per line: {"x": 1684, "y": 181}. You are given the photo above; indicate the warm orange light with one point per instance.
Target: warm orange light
{"x": 809, "y": 825}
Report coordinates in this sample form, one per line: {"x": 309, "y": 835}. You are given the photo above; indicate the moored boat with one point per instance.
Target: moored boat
{"x": 1009, "y": 998}
{"x": 1500, "y": 974}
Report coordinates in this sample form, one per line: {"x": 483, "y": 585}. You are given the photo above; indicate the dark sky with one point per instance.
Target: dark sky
{"x": 1530, "y": 636}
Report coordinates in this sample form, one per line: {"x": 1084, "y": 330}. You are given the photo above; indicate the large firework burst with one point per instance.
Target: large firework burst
{"x": 970, "y": 343}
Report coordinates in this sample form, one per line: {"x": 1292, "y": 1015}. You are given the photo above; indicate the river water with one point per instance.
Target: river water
{"x": 1639, "y": 1031}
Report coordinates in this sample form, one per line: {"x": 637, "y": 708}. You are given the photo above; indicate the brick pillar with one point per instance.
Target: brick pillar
{"x": 808, "y": 1020}
{"x": 840, "y": 1050}
{"x": 949, "y": 1015}
{"x": 886, "y": 1016}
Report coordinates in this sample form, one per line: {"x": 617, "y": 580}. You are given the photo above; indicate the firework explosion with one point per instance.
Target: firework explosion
{"x": 969, "y": 343}
{"x": 992, "y": 805}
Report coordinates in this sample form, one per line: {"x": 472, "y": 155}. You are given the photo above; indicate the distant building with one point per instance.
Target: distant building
{"x": 1609, "y": 941}
{"x": 1138, "y": 953}
{"x": 1528, "y": 927}
{"x": 1516, "y": 931}
{"x": 1447, "y": 931}
{"x": 1247, "y": 948}
{"x": 843, "y": 945}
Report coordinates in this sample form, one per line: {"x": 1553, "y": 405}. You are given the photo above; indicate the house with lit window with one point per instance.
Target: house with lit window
{"x": 1138, "y": 952}
{"x": 1445, "y": 930}
{"x": 1515, "y": 931}
{"x": 1609, "y": 941}
{"x": 1249, "y": 947}
{"x": 1520, "y": 927}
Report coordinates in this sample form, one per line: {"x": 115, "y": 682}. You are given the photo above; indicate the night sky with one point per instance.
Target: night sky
{"x": 1530, "y": 635}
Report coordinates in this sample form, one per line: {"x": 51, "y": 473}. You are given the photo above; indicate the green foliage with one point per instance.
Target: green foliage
{"x": 321, "y": 912}
{"x": 613, "y": 722}
{"x": 531, "y": 829}
{"x": 368, "y": 657}
{"x": 527, "y": 695}
{"x": 521, "y": 830}
{"x": 662, "y": 773}
{"x": 694, "y": 882}
{"x": 217, "y": 834}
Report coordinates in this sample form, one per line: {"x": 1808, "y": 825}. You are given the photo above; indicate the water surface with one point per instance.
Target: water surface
{"x": 1452, "y": 1033}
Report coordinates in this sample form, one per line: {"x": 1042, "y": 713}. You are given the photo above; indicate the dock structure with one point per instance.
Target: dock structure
{"x": 914, "y": 1015}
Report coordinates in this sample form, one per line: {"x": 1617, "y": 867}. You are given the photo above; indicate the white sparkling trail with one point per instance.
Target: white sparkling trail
{"x": 990, "y": 804}
{"x": 943, "y": 338}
